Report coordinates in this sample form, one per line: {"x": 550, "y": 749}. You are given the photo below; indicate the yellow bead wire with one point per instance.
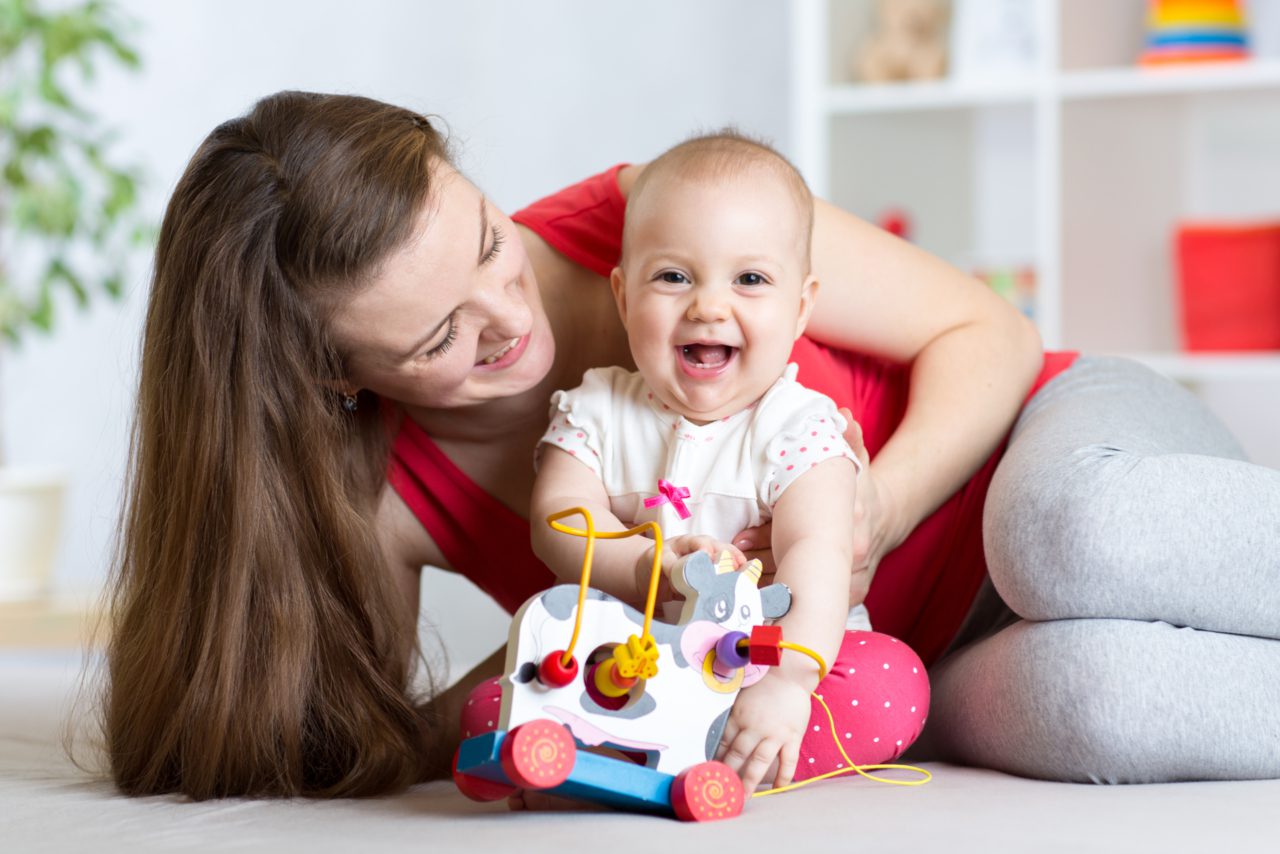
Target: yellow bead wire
{"x": 655, "y": 572}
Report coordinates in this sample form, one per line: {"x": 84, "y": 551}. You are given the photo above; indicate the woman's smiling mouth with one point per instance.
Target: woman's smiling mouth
{"x": 510, "y": 352}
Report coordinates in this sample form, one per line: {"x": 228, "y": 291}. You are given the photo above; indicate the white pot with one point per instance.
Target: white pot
{"x": 30, "y": 520}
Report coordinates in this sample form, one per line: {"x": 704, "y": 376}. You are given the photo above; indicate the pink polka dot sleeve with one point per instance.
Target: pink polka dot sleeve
{"x": 808, "y": 437}
{"x": 576, "y": 424}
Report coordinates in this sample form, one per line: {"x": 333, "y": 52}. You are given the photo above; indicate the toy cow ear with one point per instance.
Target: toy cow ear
{"x": 698, "y": 574}
{"x": 776, "y": 600}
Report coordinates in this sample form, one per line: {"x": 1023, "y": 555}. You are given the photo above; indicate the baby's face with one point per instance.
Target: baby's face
{"x": 714, "y": 290}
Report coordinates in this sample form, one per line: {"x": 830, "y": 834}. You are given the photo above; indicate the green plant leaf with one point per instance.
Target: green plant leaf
{"x": 62, "y": 193}
{"x": 58, "y": 271}
{"x": 41, "y": 315}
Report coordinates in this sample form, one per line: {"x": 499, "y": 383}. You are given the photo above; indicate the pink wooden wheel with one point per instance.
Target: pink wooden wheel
{"x": 538, "y": 755}
{"x": 478, "y": 788}
{"x": 707, "y": 792}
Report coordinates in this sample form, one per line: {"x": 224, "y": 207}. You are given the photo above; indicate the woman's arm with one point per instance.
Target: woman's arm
{"x": 407, "y": 547}
{"x": 974, "y": 357}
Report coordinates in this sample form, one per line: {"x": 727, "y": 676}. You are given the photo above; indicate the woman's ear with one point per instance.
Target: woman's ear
{"x": 618, "y": 284}
{"x": 808, "y": 296}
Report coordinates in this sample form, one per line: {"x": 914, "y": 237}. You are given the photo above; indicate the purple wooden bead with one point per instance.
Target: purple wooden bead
{"x": 727, "y": 652}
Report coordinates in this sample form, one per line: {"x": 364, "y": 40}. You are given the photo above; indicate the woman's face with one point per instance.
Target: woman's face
{"x": 453, "y": 318}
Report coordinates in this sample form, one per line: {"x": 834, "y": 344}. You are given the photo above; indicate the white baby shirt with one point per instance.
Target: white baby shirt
{"x": 735, "y": 469}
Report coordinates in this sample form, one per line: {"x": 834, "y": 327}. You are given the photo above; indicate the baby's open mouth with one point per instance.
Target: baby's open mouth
{"x": 707, "y": 355}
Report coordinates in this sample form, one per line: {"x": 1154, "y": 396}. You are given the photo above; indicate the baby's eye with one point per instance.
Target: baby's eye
{"x": 673, "y": 278}
{"x": 751, "y": 279}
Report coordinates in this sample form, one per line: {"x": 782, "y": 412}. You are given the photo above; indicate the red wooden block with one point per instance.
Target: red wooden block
{"x": 707, "y": 792}
{"x": 764, "y": 645}
{"x": 538, "y": 755}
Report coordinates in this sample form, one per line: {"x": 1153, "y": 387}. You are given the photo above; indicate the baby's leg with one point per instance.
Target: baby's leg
{"x": 1122, "y": 496}
{"x": 878, "y": 693}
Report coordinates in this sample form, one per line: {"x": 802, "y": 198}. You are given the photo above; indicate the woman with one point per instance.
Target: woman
{"x": 332, "y": 301}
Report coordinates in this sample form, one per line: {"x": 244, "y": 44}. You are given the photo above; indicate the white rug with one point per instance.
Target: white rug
{"x": 47, "y": 804}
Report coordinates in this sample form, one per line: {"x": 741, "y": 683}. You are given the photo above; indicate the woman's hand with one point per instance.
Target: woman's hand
{"x": 875, "y": 530}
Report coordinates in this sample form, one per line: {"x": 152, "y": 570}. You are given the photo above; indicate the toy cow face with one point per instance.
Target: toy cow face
{"x": 716, "y": 592}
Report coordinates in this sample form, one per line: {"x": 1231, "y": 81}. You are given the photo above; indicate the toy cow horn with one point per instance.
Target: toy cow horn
{"x": 725, "y": 563}
{"x": 753, "y": 568}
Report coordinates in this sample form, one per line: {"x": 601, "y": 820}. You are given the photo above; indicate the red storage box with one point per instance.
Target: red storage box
{"x": 1229, "y": 279}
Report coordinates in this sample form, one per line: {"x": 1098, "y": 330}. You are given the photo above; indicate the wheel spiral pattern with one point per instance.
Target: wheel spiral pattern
{"x": 538, "y": 755}
{"x": 707, "y": 792}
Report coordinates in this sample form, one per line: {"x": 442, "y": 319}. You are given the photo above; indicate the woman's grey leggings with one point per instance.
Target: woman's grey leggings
{"x": 1141, "y": 553}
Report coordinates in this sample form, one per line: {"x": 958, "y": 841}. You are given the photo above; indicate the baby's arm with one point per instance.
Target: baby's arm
{"x": 619, "y": 567}
{"x": 813, "y": 544}
{"x": 564, "y": 482}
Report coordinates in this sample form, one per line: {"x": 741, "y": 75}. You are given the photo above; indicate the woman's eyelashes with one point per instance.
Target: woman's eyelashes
{"x": 450, "y": 336}
{"x": 498, "y": 239}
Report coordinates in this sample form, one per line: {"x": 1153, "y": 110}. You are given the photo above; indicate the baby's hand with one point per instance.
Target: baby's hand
{"x": 768, "y": 721}
{"x": 675, "y": 548}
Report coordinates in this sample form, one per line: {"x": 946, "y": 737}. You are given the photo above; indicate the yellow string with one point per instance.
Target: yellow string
{"x": 655, "y": 572}
{"x": 831, "y": 721}
{"x": 822, "y": 665}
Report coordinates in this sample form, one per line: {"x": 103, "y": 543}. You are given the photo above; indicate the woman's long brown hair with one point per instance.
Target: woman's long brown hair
{"x": 257, "y": 642}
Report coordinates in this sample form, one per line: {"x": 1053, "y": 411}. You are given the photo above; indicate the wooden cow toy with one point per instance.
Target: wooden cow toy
{"x": 669, "y": 724}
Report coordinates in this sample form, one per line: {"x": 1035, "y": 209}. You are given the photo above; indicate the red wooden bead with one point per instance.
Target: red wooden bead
{"x": 553, "y": 674}
{"x": 764, "y": 645}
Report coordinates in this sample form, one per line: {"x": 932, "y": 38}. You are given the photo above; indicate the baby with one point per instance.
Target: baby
{"x": 713, "y": 434}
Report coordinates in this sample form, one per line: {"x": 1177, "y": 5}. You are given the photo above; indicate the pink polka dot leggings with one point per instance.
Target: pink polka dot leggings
{"x": 877, "y": 690}
{"x": 878, "y": 693}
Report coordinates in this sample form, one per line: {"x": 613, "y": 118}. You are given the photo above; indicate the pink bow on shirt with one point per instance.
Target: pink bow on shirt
{"x": 672, "y": 493}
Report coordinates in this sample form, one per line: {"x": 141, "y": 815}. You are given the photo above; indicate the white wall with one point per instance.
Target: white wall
{"x": 537, "y": 94}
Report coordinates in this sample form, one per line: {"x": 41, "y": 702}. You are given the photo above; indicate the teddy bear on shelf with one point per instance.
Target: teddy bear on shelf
{"x": 908, "y": 43}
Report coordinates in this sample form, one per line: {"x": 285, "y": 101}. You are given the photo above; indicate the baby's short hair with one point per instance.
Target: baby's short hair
{"x": 726, "y": 153}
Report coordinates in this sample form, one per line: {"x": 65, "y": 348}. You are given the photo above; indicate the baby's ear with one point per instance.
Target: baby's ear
{"x": 618, "y": 284}
{"x": 808, "y": 296}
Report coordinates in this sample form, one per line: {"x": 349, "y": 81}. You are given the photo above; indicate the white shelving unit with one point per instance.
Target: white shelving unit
{"x": 1080, "y": 168}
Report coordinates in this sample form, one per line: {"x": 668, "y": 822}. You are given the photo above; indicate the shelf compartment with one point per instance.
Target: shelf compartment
{"x": 1133, "y": 171}
{"x": 1139, "y": 82}
{"x": 867, "y": 99}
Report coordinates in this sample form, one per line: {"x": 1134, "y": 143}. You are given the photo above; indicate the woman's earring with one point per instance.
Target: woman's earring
{"x": 349, "y": 402}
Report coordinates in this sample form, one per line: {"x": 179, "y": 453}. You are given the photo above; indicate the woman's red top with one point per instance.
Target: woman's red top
{"x": 922, "y": 590}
